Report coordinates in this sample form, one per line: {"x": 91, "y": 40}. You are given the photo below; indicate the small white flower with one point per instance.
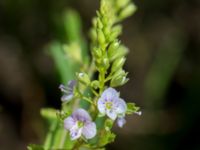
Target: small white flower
{"x": 80, "y": 123}
{"x": 110, "y": 104}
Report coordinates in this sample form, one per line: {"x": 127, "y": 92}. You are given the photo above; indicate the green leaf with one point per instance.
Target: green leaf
{"x": 106, "y": 137}
{"x": 108, "y": 124}
{"x": 35, "y": 147}
{"x": 132, "y": 108}
{"x": 48, "y": 113}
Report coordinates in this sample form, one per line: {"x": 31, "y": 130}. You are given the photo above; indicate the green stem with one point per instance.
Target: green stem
{"x": 63, "y": 138}
{"x": 49, "y": 137}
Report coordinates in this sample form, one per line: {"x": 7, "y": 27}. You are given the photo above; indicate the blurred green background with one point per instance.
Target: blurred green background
{"x": 163, "y": 65}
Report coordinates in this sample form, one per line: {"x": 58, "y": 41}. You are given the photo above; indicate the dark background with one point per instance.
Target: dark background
{"x": 163, "y": 65}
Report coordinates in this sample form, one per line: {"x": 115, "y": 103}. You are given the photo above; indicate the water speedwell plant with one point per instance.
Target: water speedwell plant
{"x": 90, "y": 102}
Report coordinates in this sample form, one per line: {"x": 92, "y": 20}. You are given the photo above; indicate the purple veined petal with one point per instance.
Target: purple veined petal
{"x": 75, "y": 132}
{"x": 71, "y": 84}
{"x": 110, "y": 94}
{"x": 120, "y": 106}
{"x": 69, "y": 123}
{"x": 63, "y": 88}
{"x": 101, "y": 106}
{"x": 81, "y": 115}
{"x": 66, "y": 98}
{"x": 121, "y": 121}
{"x": 111, "y": 114}
{"x": 89, "y": 130}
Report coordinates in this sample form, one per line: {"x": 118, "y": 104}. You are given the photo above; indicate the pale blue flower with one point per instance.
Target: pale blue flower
{"x": 111, "y": 104}
{"x": 80, "y": 123}
{"x": 68, "y": 90}
{"x": 121, "y": 121}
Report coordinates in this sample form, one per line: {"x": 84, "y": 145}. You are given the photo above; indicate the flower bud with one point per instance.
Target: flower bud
{"x": 116, "y": 51}
{"x": 118, "y": 81}
{"x": 93, "y": 34}
{"x": 127, "y": 11}
{"x": 97, "y": 52}
{"x": 105, "y": 63}
{"x": 122, "y": 3}
{"x": 94, "y": 21}
{"x": 112, "y": 50}
{"x": 106, "y": 31}
{"x": 95, "y": 84}
{"x": 117, "y": 64}
{"x": 83, "y": 78}
{"x": 119, "y": 78}
{"x": 99, "y": 24}
{"x": 101, "y": 37}
{"x": 116, "y": 31}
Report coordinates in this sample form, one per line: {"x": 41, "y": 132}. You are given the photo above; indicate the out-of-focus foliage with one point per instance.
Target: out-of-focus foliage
{"x": 163, "y": 62}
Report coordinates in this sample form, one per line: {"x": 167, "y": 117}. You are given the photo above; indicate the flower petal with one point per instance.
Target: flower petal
{"x": 66, "y": 98}
{"x": 81, "y": 115}
{"x": 111, "y": 114}
{"x": 71, "y": 84}
{"x": 110, "y": 94}
{"x": 101, "y": 105}
{"x": 89, "y": 130}
{"x": 75, "y": 133}
{"x": 69, "y": 122}
{"x": 120, "y": 106}
{"x": 63, "y": 88}
{"x": 121, "y": 121}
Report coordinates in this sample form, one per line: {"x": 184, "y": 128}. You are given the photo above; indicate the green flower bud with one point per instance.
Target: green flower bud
{"x": 105, "y": 21}
{"x": 116, "y": 51}
{"x": 127, "y": 11}
{"x": 105, "y": 63}
{"x": 122, "y": 3}
{"x": 99, "y": 24}
{"x": 117, "y": 64}
{"x": 83, "y": 78}
{"x": 118, "y": 81}
{"x": 122, "y": 51}
{"x": 116, "y": 31}
{"x": 93, "y": 34}
{"x": 119, "y": 78}
{"x": 108, "y": 124}
{"x": 112, "y": 50}
{"x": 120, "y": 72}
{"x": 97, "y": 52}
{"x": 101, "y": 37}
{"x": 94, "y": 21}
{"x": 95, "y": 84}
{"x": 106, "y": 31}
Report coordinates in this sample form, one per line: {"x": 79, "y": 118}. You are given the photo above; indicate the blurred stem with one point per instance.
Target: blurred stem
{"x": 101, "y": 80}
{"x": 49, "y": 137}
{"x": 63, "y": 138}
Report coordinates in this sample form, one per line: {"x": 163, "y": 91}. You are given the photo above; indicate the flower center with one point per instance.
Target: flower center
{"x": 108, "y": 105}
{"x": 80, "y": 124}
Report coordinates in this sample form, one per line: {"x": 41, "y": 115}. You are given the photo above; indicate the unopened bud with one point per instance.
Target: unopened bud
{"x": 116, "y": 31}
{"x": 97, "y": 52}
{"x": 105, "y": 63}
{"x": 117, "y": 64}
{"x": 122, "y": 3}
{"x": 127, "y": 11}
{"x": 95, "y": 84}
{"x": 84, "y": 78}
{"x": 101, "y": 37}
{"x": 112, "y": 50}
{"x": 119, "y": 78}
{"x": 118, "y": 81}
